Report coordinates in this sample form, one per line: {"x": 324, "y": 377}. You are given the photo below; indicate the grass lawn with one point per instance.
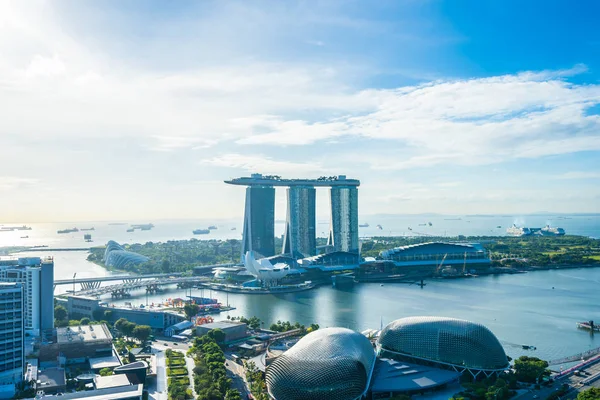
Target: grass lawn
{"x": 176, "y": 371}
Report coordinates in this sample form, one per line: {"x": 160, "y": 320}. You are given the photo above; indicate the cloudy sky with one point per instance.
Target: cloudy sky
{"x": 139, "y": 109}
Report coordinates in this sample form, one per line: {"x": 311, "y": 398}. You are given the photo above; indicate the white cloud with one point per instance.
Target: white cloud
{"x": 262, "y": 164}
{"x": 8, "y": 183}
{"x": 579, "y": 175}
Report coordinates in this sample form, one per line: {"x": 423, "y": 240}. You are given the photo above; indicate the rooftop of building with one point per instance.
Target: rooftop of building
{"x": 223, "y": 325}
{"x": 133, "y": 366}
{"x": 50, "y": 378}
{"x": 436, "y": 247}
{"x": 111, "y": 381}
{"x": 105, "y": 362}
{"x": 24, "y": 261}
{"x": 82, "y": 333}
{"x": 115, "y": 393}
{"x": 274, "y": 180}
{"x": 397, "y": 376}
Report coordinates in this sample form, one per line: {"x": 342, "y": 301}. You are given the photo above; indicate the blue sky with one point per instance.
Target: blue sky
{"x": 139, "y": 110}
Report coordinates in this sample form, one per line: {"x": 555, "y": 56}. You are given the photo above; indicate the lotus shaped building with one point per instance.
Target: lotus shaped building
{"x": 263, "y": 270}
{"x": 330, "y": 363}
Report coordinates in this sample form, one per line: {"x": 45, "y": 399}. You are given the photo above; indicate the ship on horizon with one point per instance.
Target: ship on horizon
{"x": 514, "y": 230}
{"x": 201, "y": 231}
{"x": 365, "y": 225}
{"x": 71, "y": 230}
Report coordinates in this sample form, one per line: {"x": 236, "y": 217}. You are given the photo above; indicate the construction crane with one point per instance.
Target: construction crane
{"x": 437, "y": 271}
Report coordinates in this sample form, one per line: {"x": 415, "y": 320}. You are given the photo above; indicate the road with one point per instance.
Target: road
{"x": 237, "y": 373}
{"x": 572, "y": 380}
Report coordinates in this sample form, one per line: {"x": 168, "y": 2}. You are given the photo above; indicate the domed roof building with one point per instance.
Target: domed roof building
{"x": 116, "y": 256}
{"x": 445, "y": 342}
{"x": 330, "y": 363}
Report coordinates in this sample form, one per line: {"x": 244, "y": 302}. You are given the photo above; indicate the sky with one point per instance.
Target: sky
{"x": 124, "y": 109}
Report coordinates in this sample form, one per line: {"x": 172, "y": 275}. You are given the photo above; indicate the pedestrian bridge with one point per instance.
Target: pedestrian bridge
{"x": 95, "y": 283}
{"x": 577, "y": 357}
{"x": 151, "y": 285}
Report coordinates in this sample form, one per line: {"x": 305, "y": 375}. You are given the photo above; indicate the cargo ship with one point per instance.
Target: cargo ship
{"x": 68, "y": 230}
{"x": 589, "y": 325}
{"x": 201, "y": 231}
{"x": 365, "y": 225}
{"x": 212, "y": 227}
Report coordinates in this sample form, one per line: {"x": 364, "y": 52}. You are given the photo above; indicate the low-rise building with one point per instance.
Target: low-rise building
{"x": 79, "y": 343}
{"x": 233, "y": 330}
{"x": 51, "y": 381}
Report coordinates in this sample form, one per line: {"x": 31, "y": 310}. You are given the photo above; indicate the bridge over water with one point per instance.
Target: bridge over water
{"x": 576, "y": 357}
{"x": 151, "y": 285}
{"x": 94, "y": 283}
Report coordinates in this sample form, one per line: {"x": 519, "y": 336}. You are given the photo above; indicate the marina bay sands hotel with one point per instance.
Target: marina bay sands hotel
{"x": 300, "y": 226}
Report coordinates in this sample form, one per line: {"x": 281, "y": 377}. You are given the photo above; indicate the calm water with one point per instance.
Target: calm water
{"x": 45, "y": 234}
{"x": 519, "y": 309}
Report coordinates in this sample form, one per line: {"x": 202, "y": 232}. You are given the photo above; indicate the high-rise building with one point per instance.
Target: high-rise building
{"x": 300, "y": 225}
{"x": 259, "y": 221}
{"x": 12, "y": 343}
{"x": 343, "y": 232}
{"x": 37, "y": 278}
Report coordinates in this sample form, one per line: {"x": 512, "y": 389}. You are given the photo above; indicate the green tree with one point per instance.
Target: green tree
{"x": 217, "y": 334}
{"x": 85, "y": 321}
{"x": 128, "y": 328}
{"x": 589, "y": 394}
{"x": 119, "y": 325}
{"x": 233, "y": 394}
{"x": 191, "y": 310}
{"x": 106, "y": 372}
{"x": 530, "y": 369}
{"x": 165, "y": 266}
{"x": 142, "y": 332}
{"x": 60, "y": 313}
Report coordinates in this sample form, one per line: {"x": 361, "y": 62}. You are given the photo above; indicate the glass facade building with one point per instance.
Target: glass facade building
{"x": 330, "y": 363}
{"x": 444, "y": 342}
{"x": 116, "y": 256}
{"x": 343, "y": 232}
{"x": 36, "y": 275}
{"x": 259, "y": 221}
{"x": 12, "y": 333}
{"x": 300, "y": 225}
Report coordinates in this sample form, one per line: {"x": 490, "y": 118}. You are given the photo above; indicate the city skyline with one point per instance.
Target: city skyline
{"x": 139, "y": 111}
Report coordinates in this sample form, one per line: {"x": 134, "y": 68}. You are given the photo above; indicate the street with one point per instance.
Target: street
{"x": 237, "y": 373}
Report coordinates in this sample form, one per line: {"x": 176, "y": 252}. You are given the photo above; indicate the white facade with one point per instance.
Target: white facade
{"x": 263, "y": 270}
{"x": 28, "y": 272}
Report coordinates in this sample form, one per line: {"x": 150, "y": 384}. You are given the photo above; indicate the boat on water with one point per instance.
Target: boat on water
{"x": 24, "y": 237}
{"x": 234, "y": 228}
{"x": 212, "y": 227}
{"x": 429, "y": 223}
{"x": 514, "y": 230}
{"x": 499, "y": 227}
{"x": 144, "y": 227}
{"x": 87, "y": 237}
{"x": 88, "y": 229}
{"x": 68, "y": 230}
{"x": 15, "y": 228}
{"x": 588, "y": 325}
{"x": 551, "y": 231}
{"x": 130, "y": 230}
{"x": 380, "y": 227}
{"x": 201, "y": 231}
{"x": 365, "y": 225}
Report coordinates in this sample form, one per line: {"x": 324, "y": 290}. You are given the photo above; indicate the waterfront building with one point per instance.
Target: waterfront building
{"x": 343, "y": 231}
{"x": 300, "y": 231}
{"x": 36, "y": 275}
{"x": 259, "y": 221}
{"x": 116, "y": 256}
{"x": 300, "y": 226}
{"x": 12, "y": 347}
{"x": 158, "y": 320}
{"x": 443, "y": 259}
{"x": 446, "y": 343}
{"x": 331, "y": 363}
